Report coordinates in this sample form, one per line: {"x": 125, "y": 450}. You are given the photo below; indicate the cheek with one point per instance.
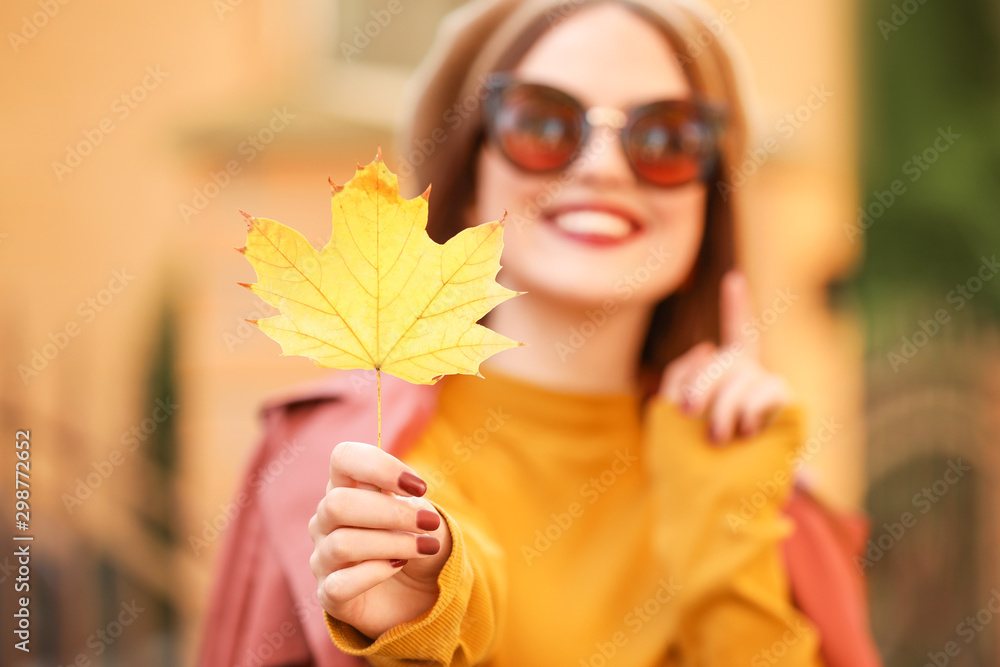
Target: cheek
{"x": 682, "y": 223}
{"x": 673, "y": 243}
{"x": 500, "y": 187}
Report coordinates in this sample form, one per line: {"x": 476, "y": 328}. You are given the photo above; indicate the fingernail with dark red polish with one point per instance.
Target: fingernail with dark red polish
{"x": 427, "y": 520}
{"x": 428, "y": 545}
{"x": 400, "y": 562}
{"x": 412, "y": 484}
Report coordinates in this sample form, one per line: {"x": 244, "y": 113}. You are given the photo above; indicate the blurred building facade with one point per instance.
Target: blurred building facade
{"x": 136, "y": 134}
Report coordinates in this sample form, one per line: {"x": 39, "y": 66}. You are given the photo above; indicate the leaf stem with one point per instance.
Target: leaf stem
{"x": 378, "y": 383}
{"x": 378, "y": 376}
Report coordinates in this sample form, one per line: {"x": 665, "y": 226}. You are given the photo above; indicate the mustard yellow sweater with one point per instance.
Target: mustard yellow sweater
{"x": 591, "y": 530}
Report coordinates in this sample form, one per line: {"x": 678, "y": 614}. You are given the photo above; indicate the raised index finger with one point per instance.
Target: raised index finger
{"x": 356, "y": 463}
{"x": 736, "y": 313}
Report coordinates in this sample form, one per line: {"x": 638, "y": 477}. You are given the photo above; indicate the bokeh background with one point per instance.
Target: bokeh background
{"x": 132, "y": 134}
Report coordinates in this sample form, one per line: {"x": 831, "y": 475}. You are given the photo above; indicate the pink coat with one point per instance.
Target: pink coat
{"x": 263, "y": 608}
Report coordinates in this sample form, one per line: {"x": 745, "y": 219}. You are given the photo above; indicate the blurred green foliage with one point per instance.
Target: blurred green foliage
{"x": 927, "y": 66}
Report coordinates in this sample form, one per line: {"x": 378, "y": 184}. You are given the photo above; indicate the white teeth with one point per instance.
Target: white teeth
{"x": 593, "y": 222}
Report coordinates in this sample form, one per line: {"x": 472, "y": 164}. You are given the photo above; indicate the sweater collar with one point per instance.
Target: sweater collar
{"x": 468, "y": 399}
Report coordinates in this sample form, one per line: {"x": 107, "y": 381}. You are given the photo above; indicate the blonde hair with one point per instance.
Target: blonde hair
{"x": 441, "y": 130}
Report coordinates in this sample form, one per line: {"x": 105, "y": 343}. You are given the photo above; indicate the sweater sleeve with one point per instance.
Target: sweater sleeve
{"x": 463, "y": 626}
{"x": 720, "y": 530}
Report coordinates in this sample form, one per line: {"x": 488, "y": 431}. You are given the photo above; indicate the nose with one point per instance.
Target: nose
{"x": 602, "y": 160}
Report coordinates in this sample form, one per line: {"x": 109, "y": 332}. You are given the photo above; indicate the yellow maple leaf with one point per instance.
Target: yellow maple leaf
{"x": 381, "y": 294}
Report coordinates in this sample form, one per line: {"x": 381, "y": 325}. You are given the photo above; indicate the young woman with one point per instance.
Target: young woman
{"x": 589, "y": 500}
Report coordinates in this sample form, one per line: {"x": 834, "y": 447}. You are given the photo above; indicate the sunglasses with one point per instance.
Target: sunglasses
{"x": 541, "y": 129}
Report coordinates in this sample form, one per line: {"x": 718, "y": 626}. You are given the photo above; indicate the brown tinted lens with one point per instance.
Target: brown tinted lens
{"x": 669, "y": 143}
{"x": 537, "y": 128}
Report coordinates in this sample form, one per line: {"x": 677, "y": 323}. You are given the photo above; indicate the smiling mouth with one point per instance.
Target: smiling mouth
{"x": 594, "y": 225}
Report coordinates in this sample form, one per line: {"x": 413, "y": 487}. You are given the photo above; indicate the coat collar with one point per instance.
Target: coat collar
{"x": 405, "y": 405}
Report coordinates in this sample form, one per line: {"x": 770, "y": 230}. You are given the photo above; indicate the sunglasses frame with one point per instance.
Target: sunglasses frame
{"x": 712, "y": 114}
